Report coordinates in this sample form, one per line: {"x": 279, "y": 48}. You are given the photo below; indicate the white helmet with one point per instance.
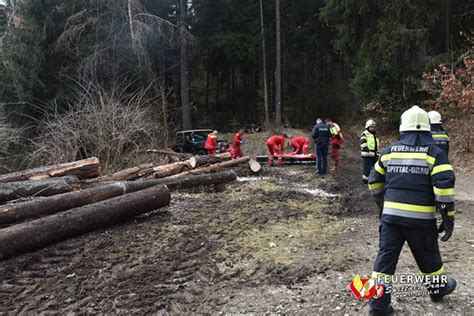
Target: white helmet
{"x": 370, "y": 123}
{"x": 415, "y": 119}
{"x": 435, "y": 117}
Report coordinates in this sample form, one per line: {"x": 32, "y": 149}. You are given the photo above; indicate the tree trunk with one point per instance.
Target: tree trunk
{"x": 54, "y": 204}
{"x": 278, "y": 66}
{"x": 264, "y": 61}
{"x": 86, "y": 168}
{"x": 447, "y": 33}
{"x": 211, "y": 168}
{"x": 171, "y": 169}
{"x": 46, "y": 187}
{"x": 130, "y": 20}
{"x": 193, "y": 181}
{"x": 42, "y": 206}
{"x": 199, "y": 161}
{"x": 128, "y": 174}
{"x": 39, "y": 233}
{"x": 181, "y": 166}
{"x": 185, "y": 103}
{"x": 255, "y": 165}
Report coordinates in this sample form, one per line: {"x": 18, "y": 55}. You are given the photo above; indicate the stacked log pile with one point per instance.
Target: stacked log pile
{"x": 44, "y": 205}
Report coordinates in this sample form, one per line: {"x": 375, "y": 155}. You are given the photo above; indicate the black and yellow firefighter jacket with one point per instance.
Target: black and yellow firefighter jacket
{"x": 440, "y": 137}
{"x": 415, "y": 178}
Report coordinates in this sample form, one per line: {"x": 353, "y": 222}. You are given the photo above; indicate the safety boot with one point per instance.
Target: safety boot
{"x": 448, "y": 288}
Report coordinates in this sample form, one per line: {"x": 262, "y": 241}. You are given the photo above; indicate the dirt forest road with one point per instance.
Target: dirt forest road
{"x": 283, "y": 242}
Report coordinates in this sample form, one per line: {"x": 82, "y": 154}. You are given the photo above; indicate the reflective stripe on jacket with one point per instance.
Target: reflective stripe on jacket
{"x": 413, "y": 181}
{"x": 369, "y": 142}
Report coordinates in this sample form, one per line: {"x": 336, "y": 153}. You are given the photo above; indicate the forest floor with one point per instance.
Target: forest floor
{"x": 283, "y": 242}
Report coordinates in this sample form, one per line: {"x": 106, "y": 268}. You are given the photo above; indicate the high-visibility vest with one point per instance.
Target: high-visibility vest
{"x": 369, "y": 142}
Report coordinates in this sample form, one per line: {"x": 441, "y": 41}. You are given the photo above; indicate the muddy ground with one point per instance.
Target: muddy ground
{"x": 283, "y": 242}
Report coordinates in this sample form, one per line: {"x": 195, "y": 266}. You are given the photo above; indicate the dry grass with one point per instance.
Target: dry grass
{"x": 110, "y": 125}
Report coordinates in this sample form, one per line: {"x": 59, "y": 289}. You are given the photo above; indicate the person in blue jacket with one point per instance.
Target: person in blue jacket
{"x": 321, "y": 135}
{"x": 412, "y": 180}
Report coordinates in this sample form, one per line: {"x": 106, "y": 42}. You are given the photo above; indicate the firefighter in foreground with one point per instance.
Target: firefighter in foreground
{"x": 320, "y": 135}
{"x": 211, "y": 143}
{"x": 300, "y": 145}
{"x": 440, "y": 137}
{"x": 276, "y": 147}
{"x": 336, "y": 142}
{"x": 414, "y": 179}
{"x": 235, "y": 150}
{"x": 369, "y": 148}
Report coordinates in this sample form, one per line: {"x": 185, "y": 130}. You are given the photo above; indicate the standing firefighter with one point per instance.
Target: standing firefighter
{"x": 336, "y": 142}
{"x": 276, "y": 147}
{"x": 440, "y": 137}
{"x": 414, "y": 178}
{"x": 236, "y": 151}
{"x": 369, "y": 148}
{"x": 211, "y": 143}
{"x": 300, "y": 145}
{"x": 320, "y": 135}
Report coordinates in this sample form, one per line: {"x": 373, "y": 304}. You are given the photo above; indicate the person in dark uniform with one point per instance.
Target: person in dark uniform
{"x": 320, "y": 135}
{"x": 369, "y": 148}
{"x": 413, "y": 179}
{"x": 440, "y": 137}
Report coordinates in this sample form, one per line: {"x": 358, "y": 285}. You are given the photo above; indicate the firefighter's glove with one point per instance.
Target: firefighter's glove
{"x": 447, "y": 223}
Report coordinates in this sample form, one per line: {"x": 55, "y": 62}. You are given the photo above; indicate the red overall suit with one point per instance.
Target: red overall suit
{"x": 300, "y": 145}
{"x": 236, "y": 151}
{"x": 211, "y": 144}
{"x": 276, "y": 147}
{"x": 336, "y": 141}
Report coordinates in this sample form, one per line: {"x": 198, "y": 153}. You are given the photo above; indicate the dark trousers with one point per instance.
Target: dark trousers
{"x": 423, "y": 243}
{"x": 322, "y": 155}
{"x": 368, "y": 163}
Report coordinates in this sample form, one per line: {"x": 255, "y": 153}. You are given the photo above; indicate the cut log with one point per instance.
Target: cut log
{"x": 224, "y": 156}
{"x": 86, "y": 168}
{"x": 172, "y": 168}
{"x": 43, "y": 206}
{"x": 255, "y": 166}
{"x": 129, "y": 174}
{"x": 193, "y": 181}
{"x": 211, "y": 168}
{"x": 199, "y": 161}
{"x": 31, "y": 236}
{"x": 182, "y": 166}
{"x": 46, "y": 187}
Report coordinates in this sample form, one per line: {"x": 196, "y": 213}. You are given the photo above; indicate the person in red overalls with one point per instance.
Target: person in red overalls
{"x": 236, "y": 150}
{"x": 300, "y": 145}
{"x": 276, "y": 147}
{"x": 211, "y": 143}
{"x": 336, "y": 141}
